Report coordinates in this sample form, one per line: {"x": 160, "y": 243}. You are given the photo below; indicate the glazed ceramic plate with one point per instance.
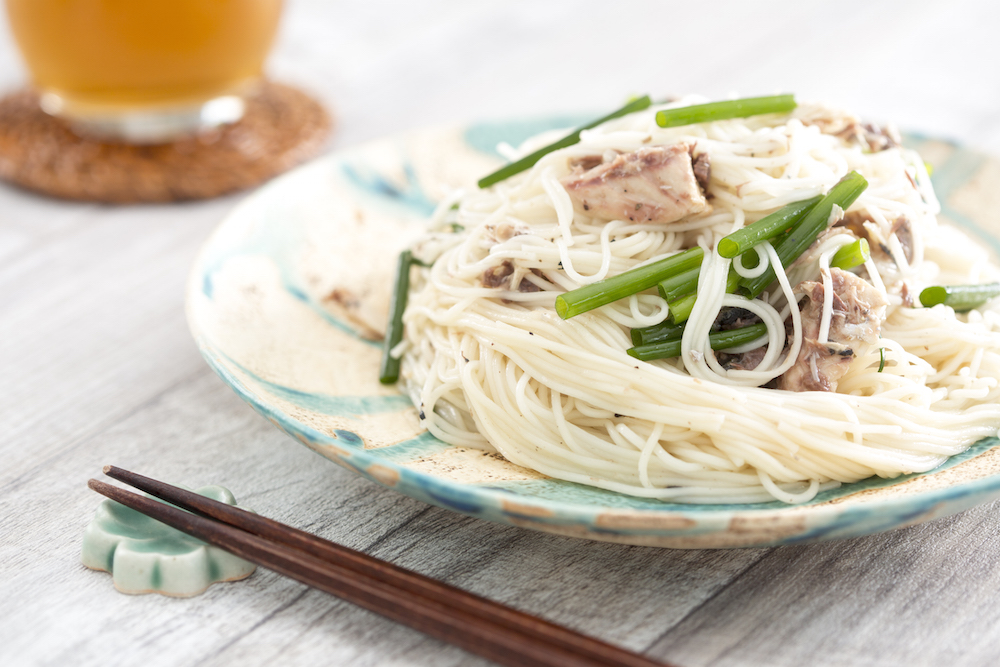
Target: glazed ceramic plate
{"x": 289, "y": 297}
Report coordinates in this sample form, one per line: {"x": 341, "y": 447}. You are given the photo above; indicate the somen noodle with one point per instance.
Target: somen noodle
{"x": 491, "y": 365}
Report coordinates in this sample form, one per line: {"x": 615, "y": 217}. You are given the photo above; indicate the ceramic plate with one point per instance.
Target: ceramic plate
{"x": 288, "y": 299}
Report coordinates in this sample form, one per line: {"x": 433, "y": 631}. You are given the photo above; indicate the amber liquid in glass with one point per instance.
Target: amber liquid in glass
{"x": 109, "y": 56}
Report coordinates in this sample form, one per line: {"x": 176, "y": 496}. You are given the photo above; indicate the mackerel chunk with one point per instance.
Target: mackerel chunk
{"x": 858, "y": 313}
{"x": 652, "y": 184}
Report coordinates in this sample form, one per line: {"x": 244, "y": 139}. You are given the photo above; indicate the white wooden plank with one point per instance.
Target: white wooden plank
{"x": 627, "y": 595}
{"x": 924, "y": 595}
{"x": 94, "y": 325}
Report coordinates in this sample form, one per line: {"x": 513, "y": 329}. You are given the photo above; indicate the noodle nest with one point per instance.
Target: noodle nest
{"x": 495, "y": 368}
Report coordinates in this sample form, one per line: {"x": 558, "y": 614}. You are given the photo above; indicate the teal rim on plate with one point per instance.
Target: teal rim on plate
{"x": 288, "y": 297}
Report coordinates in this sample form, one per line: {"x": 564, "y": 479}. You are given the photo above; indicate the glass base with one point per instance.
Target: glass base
{"x": 146, "y": 125}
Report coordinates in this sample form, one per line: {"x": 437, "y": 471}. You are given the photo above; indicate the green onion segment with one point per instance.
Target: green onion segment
{"x": 674, "y": 287}
{"x": 657, "y": 333}
{"x": 681, "y": 309}
{"x": 851, "y": 255}
{"x": 720, "y": 340}
{"x": 766, "y": 228}
{"x": 389, "y": 370}
{"x": 625, "y": 284}
{"x": 794, "y": 243}
{"x": 960, "y": 297}
{"x": 743, "y": 108}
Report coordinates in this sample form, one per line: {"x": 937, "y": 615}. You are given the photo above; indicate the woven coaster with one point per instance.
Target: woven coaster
{"x": 282, "y": 126}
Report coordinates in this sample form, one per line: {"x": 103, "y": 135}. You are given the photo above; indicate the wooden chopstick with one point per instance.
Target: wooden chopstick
{"x": 478, "y": 625}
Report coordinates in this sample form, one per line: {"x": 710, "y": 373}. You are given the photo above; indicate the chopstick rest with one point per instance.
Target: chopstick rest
{"x": 476, "y": 624}
{"x": 145, "y": 556}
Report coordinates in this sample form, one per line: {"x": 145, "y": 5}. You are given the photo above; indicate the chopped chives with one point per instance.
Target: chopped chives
{"x": 766, "y": 228}
{"x": 625, "y": 284}
{"x": 720, "y": 340}
{"x": 881, "y": 359}
{"x": 528, "y": 161}
{"x": 389, "y": 371}
{"x": 960, "y": 297}
{"x": 800, "y": 237}
{"x": 851, "y": 255}
{"x": 703, "y": 113}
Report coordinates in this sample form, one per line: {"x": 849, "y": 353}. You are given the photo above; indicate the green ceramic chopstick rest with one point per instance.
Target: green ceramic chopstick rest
{"x": 146, "y": 556}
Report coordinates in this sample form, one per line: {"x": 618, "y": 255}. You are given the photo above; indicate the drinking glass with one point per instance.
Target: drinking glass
{"x": 144, "y": 71}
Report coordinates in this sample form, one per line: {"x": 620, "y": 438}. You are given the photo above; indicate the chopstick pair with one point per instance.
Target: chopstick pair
{"x": 486, "y": 628}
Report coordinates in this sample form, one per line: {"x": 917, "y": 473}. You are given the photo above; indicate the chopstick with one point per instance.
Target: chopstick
{"x": 476, "y": 624}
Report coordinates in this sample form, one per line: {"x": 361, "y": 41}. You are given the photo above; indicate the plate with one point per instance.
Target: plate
{"x": 288, "y": 298}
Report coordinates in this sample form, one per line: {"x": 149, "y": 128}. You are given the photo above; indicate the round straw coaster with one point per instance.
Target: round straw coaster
{"x": 282, "y": 126}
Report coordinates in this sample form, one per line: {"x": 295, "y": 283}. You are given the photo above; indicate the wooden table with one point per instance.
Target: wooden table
{"x": 97, "y": 366}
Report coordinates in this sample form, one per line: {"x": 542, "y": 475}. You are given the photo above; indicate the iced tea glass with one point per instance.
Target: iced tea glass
{"x": 144, "y": 71}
